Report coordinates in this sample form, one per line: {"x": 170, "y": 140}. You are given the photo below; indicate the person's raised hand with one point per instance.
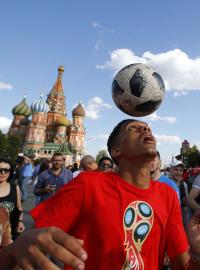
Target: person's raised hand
{"x": 30, "y": 249}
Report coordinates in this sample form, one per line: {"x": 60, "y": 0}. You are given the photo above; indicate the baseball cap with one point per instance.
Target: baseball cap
{"x": 175, "y": 163}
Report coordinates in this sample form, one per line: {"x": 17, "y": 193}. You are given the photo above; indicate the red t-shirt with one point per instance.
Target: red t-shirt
{"x": 122, "y": 226}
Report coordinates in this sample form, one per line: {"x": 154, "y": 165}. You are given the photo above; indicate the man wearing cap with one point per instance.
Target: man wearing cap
{"x": 176, "y": 174}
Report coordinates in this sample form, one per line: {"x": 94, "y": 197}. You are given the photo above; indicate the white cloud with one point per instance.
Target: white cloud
{"x": 98, "y": 44}
{"x": 96, "y": 25}
{"x": 180, "y": 93}
{"x": 4, "y": 124}
{"x": 120, "y": 58}
{"x": 95, "y": 107}
{"x": 154, "y": 117}
{"x": 166, "y": 139}
{"x": 101, "y": 31}
{"x": 5, "y": 86}
{"x": 180, "y": 72}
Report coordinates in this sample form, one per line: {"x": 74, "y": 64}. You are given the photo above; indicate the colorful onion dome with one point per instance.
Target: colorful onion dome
{"x": 78, "y": 110}
{"x": 63, "y": 121}
{"x": 22, "y": 108}
{"x": 40, "y": 105}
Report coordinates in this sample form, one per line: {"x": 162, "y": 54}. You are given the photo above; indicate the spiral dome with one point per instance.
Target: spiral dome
{"x": 63, "y": 121}
{"x": 22, "y": 108}
{"x": 78, "y": 110}
{"x": 40, "y": 105}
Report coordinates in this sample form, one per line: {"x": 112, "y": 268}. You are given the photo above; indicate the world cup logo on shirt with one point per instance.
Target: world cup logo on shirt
{"x": 137, "y": 222}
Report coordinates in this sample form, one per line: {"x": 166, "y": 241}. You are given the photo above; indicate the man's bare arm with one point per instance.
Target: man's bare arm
{"x": 185, "y": 261}
{"x": 191, "y": 199}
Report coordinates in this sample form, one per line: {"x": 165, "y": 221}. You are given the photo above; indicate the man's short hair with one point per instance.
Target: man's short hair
{"x": 57, "y": 154}
{"x": 86, "y": 159}
{"x": 113, "y": 138}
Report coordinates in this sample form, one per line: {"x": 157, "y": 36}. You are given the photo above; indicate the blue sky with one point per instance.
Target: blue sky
{"x": 93, "y": 40}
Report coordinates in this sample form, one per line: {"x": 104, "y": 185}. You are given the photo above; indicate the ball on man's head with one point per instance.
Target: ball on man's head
{"x": 138, "y": 90}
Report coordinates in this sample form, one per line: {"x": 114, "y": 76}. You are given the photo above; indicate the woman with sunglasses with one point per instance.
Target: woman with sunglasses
{"x": 10, "y": 197}
{"x": 105, "y": 164}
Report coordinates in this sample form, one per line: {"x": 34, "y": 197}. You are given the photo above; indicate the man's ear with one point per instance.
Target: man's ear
{"x": 115, "y": 152}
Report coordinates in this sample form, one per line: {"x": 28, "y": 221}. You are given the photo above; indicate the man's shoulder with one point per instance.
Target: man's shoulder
{"x": 167, "y": 187}
{"x": 96, "y": 178}
{"x": 196, "y": 183}
{"x": 93, "y": 175}
{"x": 66, "y": 170}
{"x": 45, "y": 173}
{"x": 165, "y": 179}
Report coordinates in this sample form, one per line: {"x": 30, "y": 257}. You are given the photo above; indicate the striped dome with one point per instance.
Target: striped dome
{"x": 40, "y": 105}
{"x": 22, "y": 108}
{"x": 62, "y": 121}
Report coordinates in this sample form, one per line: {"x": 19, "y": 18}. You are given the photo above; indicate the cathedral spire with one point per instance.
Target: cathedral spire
{"x": 58, "y": 84}
{"x": 56, "y": 98}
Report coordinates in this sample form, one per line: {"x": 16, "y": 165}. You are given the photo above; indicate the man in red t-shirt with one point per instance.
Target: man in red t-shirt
{"x": 124, "y": 220}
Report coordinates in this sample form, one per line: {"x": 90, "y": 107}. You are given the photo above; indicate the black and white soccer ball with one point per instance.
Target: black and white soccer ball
{"x": 138, "y": 90}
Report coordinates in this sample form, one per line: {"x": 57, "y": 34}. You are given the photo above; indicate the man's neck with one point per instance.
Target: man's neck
{"x": 136, "y": 174}
{"x": 56, "y": 171}
{"x": 155, "y": 175}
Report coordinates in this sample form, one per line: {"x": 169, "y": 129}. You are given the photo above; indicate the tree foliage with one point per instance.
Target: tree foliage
{"x": 192, "y": 157}
{"x": 101, "y": 153}
{"x": 9, "y": 146}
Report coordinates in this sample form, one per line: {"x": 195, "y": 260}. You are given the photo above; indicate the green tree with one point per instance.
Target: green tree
{"x": 192, "y": 156}
{"x": 9, "y": 146}
{"x": 101, "y": 153}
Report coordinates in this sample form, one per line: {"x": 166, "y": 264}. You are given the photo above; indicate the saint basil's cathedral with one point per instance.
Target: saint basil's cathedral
{"x": 49, "y": 130}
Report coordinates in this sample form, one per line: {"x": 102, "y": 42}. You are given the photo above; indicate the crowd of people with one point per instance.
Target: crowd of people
{"x": 122, "y": 212}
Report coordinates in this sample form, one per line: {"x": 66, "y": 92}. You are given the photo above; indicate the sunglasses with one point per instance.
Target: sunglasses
{"x": 5, "y": 170}
{"x": 106, "y": 166}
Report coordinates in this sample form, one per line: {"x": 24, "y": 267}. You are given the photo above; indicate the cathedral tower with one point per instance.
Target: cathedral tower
{"x": 57, "y": 106}
{"x": 62, "y": 124}
{"x": 35, "y": 135}
{"x": 21, "y": 113}
{"x": 77, "y": 132}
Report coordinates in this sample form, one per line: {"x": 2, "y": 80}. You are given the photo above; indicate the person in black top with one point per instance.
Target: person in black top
{"x": 10, "y": 197}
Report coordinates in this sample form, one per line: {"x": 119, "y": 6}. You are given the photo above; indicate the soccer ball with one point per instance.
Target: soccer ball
{"x": 138, "y": 90}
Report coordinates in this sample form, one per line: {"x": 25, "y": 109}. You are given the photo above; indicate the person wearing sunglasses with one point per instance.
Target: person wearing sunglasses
{"x": 105, "y": 164}
{"x": 10, "y": 197}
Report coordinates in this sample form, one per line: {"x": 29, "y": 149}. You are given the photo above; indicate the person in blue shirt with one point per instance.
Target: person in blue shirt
{"x": 176, "y": 174}
{"x": 26, "y": 173}
{"x": 156, "y": 174}
{"x": 51, "y": 180}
